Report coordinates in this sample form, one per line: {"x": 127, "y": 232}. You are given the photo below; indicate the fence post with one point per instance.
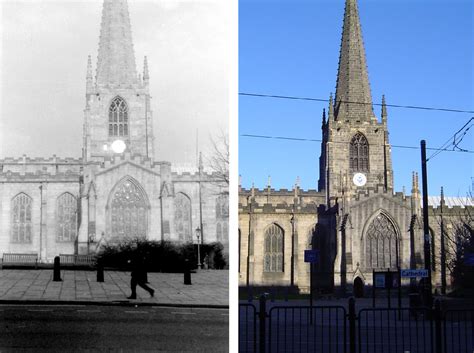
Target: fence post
{"x": 352, "y": 325}
{"x": 438, "y": 318}
{"x": 262, "y": 316}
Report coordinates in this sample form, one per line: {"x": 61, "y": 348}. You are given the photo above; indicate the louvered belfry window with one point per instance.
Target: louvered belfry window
{"x": 359, "y": 153}
{"x": 273, "y": 251}
{"x": 21, "y": 219}
{"x": 66, "y": 217}
{"x": 118, "y": 118}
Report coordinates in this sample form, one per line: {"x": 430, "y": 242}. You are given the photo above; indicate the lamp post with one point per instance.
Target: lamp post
{"x": 198, "y": 234}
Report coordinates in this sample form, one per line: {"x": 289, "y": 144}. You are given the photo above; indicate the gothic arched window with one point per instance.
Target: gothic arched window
{"x": 21, "y": 219}
{"x": 182, "y": 217}
{"x": 118, "y": 118}
{"x": 381, "y": 244}
{"x": 273, "y": 251}
{"x": 359, "y": 153}
{"x": 129, "y": 211}
{"x": 222, "y": 218}
{"x": 66, "y": 206}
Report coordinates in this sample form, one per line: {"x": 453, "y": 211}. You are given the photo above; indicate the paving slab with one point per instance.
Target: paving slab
{"x": 209, "y": 287}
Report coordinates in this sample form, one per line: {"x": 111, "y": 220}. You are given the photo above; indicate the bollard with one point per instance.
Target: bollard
{"x": 187, "y": 272}
{"x": 57, "y": 270}
{"x": 100, "y": 272}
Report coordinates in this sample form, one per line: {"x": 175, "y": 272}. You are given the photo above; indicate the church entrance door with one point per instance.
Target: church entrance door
{"x": 358, "y": 288}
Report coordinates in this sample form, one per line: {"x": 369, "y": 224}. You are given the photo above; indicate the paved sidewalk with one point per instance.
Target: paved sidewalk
{"x": 209, "y": 287}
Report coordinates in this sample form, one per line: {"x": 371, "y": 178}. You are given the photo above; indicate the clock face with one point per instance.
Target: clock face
{"x": 118, "y": 146}
{"x": 359, "y": 179}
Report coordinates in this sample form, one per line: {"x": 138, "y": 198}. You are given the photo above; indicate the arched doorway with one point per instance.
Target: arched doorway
{"x": 358, "y": 288}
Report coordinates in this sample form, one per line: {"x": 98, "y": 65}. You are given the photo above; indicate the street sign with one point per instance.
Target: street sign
{"x": 311, "y": 256}
{"x": 469, "y": 259}
{"x": 414, "y": 273}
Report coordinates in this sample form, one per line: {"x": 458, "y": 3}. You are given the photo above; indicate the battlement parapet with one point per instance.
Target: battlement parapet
{"x": 281, "y": 192}
{"x": 279, "y": 208}
{"x": 40, "y": 160}
{"x": 40, "y": 175}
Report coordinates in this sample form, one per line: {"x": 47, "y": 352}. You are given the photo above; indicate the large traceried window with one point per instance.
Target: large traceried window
{"x": 129, "y": 211}
{"x": 182, "y": 217}
{"x": 381, "y": 244}
{"x": 222, "y": 218}
{"x": 21, "y": 219}
{"x": 273, "y": 251}
{"x": 359, "y": 153}
{"x": 118, "y": 118}
{"x": 66, "y": 206}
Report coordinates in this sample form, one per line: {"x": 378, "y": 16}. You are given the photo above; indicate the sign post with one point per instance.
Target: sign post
{"x": 311, "y": 257}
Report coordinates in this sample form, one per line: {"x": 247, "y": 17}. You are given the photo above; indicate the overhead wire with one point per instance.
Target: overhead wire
{"x": 261, "y": 95}
{"x": 343, "y": 142}
{"x": 455, "y": 144}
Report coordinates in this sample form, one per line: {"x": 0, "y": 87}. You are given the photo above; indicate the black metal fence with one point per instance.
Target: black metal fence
{"x": 307, "y": 329}
{"x": 247, "y": 328}
{"x": 335, "y": 329}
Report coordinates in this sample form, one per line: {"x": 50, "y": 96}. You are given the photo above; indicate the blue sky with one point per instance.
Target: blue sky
{"x": 419, "y": 53}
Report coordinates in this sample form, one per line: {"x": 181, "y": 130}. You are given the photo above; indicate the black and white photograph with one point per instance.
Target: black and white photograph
{"x": 114, "y": 175}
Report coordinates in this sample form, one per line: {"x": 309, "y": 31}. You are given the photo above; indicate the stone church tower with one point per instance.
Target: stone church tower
{"x": 355, "y": 151}
{"x": 118, "y": 102}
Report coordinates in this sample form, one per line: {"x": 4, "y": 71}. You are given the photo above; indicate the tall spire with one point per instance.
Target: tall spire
{"x": 116, "y": 60}
{"x": 352, "y": 79}
{"x": 146, "y": 75}
{"x": 89, "y": 74}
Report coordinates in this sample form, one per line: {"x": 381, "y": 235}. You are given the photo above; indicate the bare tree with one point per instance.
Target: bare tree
{"x": 218, "y": 160}
{"x": 458, "y": 231}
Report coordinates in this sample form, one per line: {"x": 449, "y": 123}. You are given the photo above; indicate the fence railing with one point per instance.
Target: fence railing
{"x": 370, "y": 330}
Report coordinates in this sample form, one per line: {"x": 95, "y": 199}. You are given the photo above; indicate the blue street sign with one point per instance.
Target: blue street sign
{"x": 469, "y": 259}
{"x": 414, "y": 273}
{"x": 311, "y": 256}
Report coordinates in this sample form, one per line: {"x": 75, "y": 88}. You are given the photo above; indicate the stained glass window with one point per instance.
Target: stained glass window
{"x": 66, "y": 217}
{"x": 273, "y": 249}
{"x": 381, "y": 244}
{"x": 182, "y": 217}
{"x": 222, "y": 218}
{"x": 21, "y": 219}
{"x": 129, "y": 211}
{"x": 118, "y": 118}
{"x": 359, "y": 153}
{"x": 222, "y": 207}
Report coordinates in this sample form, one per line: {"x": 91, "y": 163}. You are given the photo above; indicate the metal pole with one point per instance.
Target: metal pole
{"x": 292, "y": 270}
{"x": 426, "y": 229}
{"x": 41, "y": 222}
{"x": 199, "y": 254}
{"x": 262, "y": 315}
{"x": 311, "y": 291}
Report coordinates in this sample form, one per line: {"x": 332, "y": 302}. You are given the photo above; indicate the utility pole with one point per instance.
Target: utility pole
{"x": 426, "y": 229}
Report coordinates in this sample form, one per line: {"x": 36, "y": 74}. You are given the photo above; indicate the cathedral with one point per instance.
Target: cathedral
{"x": 117, "y": 189}
{"x": 355, "y": 219}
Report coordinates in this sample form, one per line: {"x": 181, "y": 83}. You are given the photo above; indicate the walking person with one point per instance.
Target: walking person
{"x": 139, "y": 276}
